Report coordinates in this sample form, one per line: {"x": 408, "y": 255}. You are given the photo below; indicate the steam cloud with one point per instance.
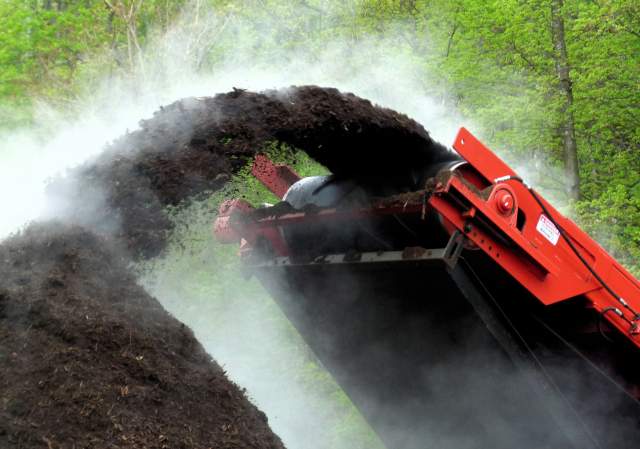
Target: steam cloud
{"x": 241, "y": 341}
{"x": 172, "y": 70}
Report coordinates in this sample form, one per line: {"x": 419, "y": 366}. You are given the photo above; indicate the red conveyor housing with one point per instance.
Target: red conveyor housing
{"x": 544, "y": 290}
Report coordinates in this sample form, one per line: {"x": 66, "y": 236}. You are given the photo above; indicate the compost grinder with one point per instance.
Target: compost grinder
{"x": 450, "y": 301}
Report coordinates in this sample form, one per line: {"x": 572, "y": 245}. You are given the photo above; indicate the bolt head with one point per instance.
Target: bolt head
{"x": 504, "y": 202}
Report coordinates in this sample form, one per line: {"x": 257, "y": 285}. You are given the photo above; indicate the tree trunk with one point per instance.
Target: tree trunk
{"x": 570, "y": 147}
{"x": 128, "y": 13}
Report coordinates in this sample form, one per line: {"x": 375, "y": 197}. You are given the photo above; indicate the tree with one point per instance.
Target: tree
{"x": 563, "y": 70}
{"x": 127, "y": 11}
{"x": 44, "y": 43}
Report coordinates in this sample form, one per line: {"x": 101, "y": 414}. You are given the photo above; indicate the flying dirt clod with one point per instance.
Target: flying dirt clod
{"x": 193, "y": 146}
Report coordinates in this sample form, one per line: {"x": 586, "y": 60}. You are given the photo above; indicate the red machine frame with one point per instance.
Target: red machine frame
{"x": 485, "y": 201}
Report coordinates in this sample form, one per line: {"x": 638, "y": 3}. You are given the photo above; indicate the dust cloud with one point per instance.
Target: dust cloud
{"x": 240, "y": 327}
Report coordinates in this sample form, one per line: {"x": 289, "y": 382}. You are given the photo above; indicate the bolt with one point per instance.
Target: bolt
{"x": 504, "y": 202}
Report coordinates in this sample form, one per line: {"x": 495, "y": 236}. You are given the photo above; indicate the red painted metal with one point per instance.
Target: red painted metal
{"x": 498, "y": 215}
{"x": 229, "y": 227}
{"x": 222, "y": 228}
{"x": 504, "y": 202}
{"x": 542, "y": 260}
{"x": 503, "y": 199}
{"x": 276, "y": 177}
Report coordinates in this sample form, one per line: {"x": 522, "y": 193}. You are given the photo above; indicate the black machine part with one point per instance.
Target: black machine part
{"x": 375, "y": 234}
{"x": 423, "y": 348}
{"x": 333, "y": 191}
{"x": 432, "y": 359}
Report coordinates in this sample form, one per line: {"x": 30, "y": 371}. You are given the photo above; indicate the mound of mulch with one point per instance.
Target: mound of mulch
{"x": 90, "y": 360}
{"x": 196, "y": 144}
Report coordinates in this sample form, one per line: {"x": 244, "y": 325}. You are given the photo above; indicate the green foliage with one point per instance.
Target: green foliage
{"x": 40, "y": 50}
{"x": 613, "y": 218}
{"x": 244, "y": 185}
{"x": 47, "y": 45}
{"x": 497, "y": 65}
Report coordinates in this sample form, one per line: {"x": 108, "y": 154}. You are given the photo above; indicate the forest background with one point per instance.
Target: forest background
{"x": 553, "y": 80}
{"x": 553, "y": 84}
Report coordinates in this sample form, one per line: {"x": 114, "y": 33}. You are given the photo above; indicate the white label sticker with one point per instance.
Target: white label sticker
{"x": 548, "y": 229}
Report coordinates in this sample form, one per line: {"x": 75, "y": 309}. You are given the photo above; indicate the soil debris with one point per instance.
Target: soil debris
{"x": 194, "y": 145}
{"x": 90, "y": 360}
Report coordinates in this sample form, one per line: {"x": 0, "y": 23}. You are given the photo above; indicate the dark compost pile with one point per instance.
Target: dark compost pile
{"x": 192, "y": 146}
{"x": 89, "y": 359}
